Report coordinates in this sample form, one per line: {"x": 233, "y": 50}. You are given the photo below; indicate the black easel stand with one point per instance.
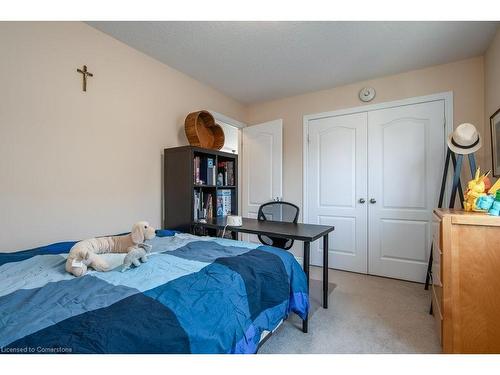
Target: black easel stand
{"x": 456, "y": 186}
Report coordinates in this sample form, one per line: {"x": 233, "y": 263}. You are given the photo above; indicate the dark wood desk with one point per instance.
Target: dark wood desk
{"x": 300, "y": 232}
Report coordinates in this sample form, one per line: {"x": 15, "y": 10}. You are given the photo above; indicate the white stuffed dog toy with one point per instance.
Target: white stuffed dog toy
{"x": 85, "y": 253}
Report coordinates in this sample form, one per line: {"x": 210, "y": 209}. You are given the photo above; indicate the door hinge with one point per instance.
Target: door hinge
{"x": 308, "y": 139}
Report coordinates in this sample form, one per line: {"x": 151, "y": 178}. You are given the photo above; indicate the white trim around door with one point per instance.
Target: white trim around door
{"x": 448, "y": 102}
{"x": 228, "y": 120}
{"x": 367, "y": 241}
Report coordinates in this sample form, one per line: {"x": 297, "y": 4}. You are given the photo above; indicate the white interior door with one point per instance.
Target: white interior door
{"x": 406, "y": 157}
{"x": 336, "y": 186}
{"x": 262, "y": 156}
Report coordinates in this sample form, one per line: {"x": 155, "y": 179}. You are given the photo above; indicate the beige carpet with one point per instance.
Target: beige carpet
{"x": 366, "y": 314}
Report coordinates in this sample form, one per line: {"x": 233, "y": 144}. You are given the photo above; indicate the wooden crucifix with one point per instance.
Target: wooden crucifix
{"x": 85, "y": 74}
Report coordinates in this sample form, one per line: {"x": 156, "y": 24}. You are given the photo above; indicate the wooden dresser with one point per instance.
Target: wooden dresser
{"x": 466, "y": 281}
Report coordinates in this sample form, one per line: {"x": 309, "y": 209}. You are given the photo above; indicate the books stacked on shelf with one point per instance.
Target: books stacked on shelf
{"x": 203, "y": 207}
{"x": 223, "y": 202}
{"x": 204, "y": 171}
{"x": 225, "y": 173}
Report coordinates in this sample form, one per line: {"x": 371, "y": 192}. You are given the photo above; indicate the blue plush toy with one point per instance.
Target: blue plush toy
{"x": 490, "y": 203}
{"x": 495, "y": 208}
{"x": 485, "y": 202}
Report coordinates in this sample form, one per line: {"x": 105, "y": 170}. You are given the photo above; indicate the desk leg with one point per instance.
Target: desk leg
{"x": 325, "y": 271}
{"x": 307, "y": 251}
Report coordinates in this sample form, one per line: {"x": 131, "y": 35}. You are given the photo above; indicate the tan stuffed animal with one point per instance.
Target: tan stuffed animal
{"x": 85, "y": 253}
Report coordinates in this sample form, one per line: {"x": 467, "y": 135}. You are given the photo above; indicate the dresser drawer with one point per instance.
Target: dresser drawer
{"x": 437, "y": 254}
{"x": 436, "y": 311}
{"x": 437, "y": 264}
{"x": 437, "y": 230}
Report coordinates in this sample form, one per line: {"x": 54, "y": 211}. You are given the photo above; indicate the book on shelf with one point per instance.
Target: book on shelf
{"x": 210, "y": 171}
{"x": 210, "y": 207}
{"x": 230, "y": 173}
{"x": 196, "y": 170}
{"x": 224, "y": 202}
{"x": 196, "y": 206}
{"x": 203, "y": 170}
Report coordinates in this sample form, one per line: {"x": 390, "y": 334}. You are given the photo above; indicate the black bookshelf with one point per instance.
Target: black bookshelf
{"x": 179, "y": 185}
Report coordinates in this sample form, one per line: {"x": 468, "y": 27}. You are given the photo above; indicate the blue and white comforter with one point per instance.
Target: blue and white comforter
{"x": 194, "y": 295}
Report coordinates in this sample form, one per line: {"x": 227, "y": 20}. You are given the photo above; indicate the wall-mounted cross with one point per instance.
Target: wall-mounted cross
{"x": 85, "y": 74}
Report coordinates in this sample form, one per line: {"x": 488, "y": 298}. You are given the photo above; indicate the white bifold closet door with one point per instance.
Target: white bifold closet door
{"x": 336, "y": 182}
{"x": 405, "y": 159}
{"x": 375, "y": 176}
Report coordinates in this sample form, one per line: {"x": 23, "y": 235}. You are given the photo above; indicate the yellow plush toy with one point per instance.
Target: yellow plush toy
{"x": 475, "y": 189}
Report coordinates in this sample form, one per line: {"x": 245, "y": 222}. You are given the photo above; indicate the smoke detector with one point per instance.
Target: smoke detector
{"x": 367, "y": 94}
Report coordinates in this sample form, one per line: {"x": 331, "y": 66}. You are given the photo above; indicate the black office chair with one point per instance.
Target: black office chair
{"x": 278, "y": 211}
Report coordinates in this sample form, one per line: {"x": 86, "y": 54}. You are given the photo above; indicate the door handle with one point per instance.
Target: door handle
{"x": 361, "y": 200}
{"x": 373, "y": 200}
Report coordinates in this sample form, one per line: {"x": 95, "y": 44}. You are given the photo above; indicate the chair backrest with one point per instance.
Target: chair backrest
{"x": 278, "y": 211}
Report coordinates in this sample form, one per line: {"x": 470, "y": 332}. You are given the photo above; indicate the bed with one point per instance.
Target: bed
{"x": 194, "y": 295}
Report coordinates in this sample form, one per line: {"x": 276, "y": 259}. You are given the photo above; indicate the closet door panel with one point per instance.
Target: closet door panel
{"x": 336, "y": 181}
{"x": 405, "y": 152}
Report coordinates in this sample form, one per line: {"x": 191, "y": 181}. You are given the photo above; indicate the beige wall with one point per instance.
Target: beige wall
{"x": 491, "y": 91}
{"x": 464, "y": 78}
{"x": 74, "y": 164}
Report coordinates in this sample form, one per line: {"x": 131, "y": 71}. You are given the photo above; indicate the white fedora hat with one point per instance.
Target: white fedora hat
{"x": 464, "y": 139}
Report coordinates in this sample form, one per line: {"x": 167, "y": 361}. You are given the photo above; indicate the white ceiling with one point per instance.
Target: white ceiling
{"x": 258, "y": 61}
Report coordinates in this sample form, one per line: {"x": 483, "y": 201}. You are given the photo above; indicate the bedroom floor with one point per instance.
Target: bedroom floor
{"x": 366, "y": 314}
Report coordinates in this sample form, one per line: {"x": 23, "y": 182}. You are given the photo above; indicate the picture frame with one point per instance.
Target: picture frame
{"x": 495, "y": 142}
